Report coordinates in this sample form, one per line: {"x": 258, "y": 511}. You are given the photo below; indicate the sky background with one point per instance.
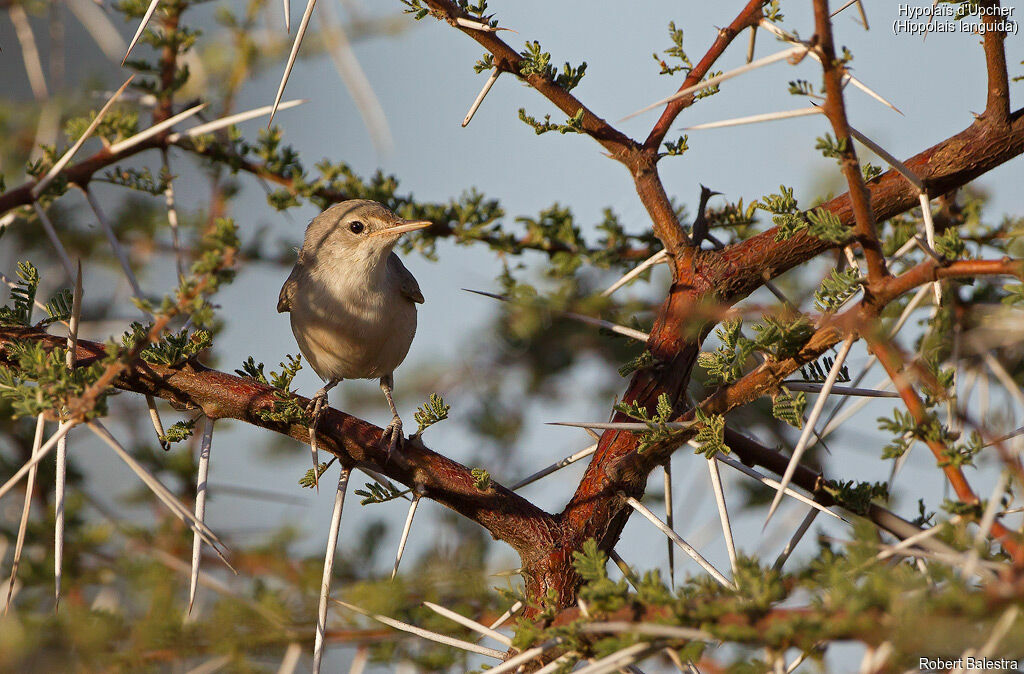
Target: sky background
{"x": 425, "y": 83}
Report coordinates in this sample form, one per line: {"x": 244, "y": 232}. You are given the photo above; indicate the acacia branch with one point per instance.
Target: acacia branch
{"x": 747, "y": 18}
{"x": 864, "y": 227}
{"x": 357, "y": 443}
{"x": 997, "y": 104}
{"x": 641, "y": 161}
{"x": 743, "y": 267}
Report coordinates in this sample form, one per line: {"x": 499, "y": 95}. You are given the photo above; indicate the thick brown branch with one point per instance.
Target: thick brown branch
{"x": 742, "y": 268}
{"x": 356, "y": 443}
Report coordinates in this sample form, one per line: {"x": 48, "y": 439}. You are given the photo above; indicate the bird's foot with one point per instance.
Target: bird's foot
{"x": 392, "y": 436}
{"x": 315, "y": 410}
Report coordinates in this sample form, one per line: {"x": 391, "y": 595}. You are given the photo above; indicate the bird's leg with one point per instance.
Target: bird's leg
{"x": 315, "y": 410}
{"x": 393, "y": 433}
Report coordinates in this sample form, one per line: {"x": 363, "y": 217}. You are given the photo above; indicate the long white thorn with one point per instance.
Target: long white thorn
{"x": 405, "y": 534}
{"x": 67, "y": 156}
{"x": 51, "y": 234}
{"x": 756, "y": 119}
{"x": 723, "y": 513}
{"x": 677, "y": 539}
{"x": 516, "y": 661}
{"x": 620, "y": 659}
{"x": 624, "y": 568}
{"x": 172, "y": 215}
{"x": 558, "y": 465}
{"x": 287, "y": 16}
{"x": 325, "y": 581}
{"x": 37, "y": 443}
{"x": 47, "y": 447}
{"x": 767, "y": 481}
{"x": 299, "y": 34}
{"x": 238, "y": 118}
{"x": 512, "y": 610}
{"x": 158, "y": 426}
{"x": 657, "y": 258}
{"x": 142, "y": 27}
{"x": 60, "y": 481}
{"x": 480, "y": 25}
{"x": 470, "y": 623}
{"x": 889, "y": 159}
{"x": 805, "y": 524}
{"x": 670, "y": 521}
{"x": 812, "y": 419}
{"x": 115, "y": 245}
{"x": 929, "y": 232}
{"x": 202, "y": 487}
{"x": 426, "y": 634}
{"x": 590, "y": 320}
{"x": 480, "y": 97}
{"x": 162, "y": 493}
{"x": 142, "y": 136}
{"x": 712, "y": 81}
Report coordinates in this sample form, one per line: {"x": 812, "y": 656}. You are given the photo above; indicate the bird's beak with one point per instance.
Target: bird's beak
{"x": 407, "y": 226}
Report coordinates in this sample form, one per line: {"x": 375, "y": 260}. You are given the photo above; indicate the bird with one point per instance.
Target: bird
{"x": 352, "y": 303}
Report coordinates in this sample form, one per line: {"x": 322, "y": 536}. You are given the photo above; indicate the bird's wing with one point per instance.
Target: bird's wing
{"x": 284, "y": 300}
{"x": 407, "y": 282}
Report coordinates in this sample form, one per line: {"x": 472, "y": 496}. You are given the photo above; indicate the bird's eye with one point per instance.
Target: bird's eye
{"x": 357, "y": 227}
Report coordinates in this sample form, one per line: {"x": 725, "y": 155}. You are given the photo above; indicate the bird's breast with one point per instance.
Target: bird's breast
{"x": 352, "y": 329}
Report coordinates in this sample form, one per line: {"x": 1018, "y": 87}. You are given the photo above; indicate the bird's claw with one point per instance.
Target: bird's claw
{"x": 392, "y": 435}
{"x": 315, "y": 410}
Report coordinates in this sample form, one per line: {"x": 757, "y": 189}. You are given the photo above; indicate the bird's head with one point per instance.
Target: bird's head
{"x": 356, "y": 231}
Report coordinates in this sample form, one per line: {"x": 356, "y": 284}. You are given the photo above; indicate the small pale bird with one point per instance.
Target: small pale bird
{"x": 353, "y": 302}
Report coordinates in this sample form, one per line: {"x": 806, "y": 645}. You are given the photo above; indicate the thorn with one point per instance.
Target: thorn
{"x": 37, "y": 443}
{"x": 696, "y": 556}
{"x": 481, "y": 26}
{"x": 812, "y": 419}
{"x": 480, "y": 97}
{"x": 723, "y": 514}
{"x": 590, "y": 320}
{"x": 142, "y": 27}
{"x": 67, "y": 156}
{"x": 288, "y": 16}
{"x": 813, "y": 387}
{"x": 51, "y": 234}
{"x": 160, "y": 491}
{"x": 127, "y": 143}
{"x": 238, "y": 118}
{"x": 115, "y": 245}
{"x": 467, "y": 622}
{"x": 753, "y": 41}
{"x": 512, "y": 610}
{"x": 797, "y": 535}
{"x": 202, "y": 483}
{"x": 712, "y": 81}
{"x": 426, "y": 634}
{"x": 889, "y": 159}
{"x": 669, "y": 520}
{"x": 767, "y": 481}
{"x": 658, "y": 258}
{"x": 325, "y": 581}
{"x": 929, "y": 232}
{"x": 299, "y": 34}
{"x": 754, "y": 119}
{"x": 37, "y": 457}
{"x": 405, "y": 534}
{"x": 558, "y": 465}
